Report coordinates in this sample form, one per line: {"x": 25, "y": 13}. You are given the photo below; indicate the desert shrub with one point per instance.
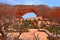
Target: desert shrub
{"x": 36, "y": 27}
{"x": 26, "y": 30}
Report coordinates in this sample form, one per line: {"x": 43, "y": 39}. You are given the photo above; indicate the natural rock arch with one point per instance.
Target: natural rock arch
{"x": 19, "y": 10}
{"x": 24, "y": 11}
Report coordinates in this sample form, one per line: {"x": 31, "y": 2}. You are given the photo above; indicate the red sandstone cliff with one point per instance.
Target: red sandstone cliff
{"x": 19, "y": 10}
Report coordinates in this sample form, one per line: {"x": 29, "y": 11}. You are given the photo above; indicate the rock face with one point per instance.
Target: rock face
{"x": 39, "y": 10}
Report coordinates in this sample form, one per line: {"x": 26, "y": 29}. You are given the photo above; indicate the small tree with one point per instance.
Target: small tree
{"x": 23, "y": 27}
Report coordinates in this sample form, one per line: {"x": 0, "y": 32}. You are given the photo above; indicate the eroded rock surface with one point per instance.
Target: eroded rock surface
{"x": 20, "y": 10}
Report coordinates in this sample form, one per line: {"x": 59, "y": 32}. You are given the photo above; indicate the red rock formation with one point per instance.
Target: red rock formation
{"x": 39, "y": 10}
{"x": 55, "y": 14}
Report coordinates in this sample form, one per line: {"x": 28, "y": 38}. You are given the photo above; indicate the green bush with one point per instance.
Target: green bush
{"x": 26, "y": 30}
{"x": 36, "y": 27}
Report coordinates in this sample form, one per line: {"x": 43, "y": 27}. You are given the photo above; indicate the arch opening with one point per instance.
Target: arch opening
{"x": 29, "y": 15}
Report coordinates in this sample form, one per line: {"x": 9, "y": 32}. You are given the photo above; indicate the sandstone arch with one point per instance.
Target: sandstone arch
{"x": 19, "y": 10}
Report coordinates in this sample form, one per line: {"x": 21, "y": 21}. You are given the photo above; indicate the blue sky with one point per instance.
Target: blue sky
{"x": 32, "y": 2}
{"x": 29, "y": 15}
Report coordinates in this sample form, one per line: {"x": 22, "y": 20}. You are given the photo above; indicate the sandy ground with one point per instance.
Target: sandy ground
{"x": 31, "y": 35}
